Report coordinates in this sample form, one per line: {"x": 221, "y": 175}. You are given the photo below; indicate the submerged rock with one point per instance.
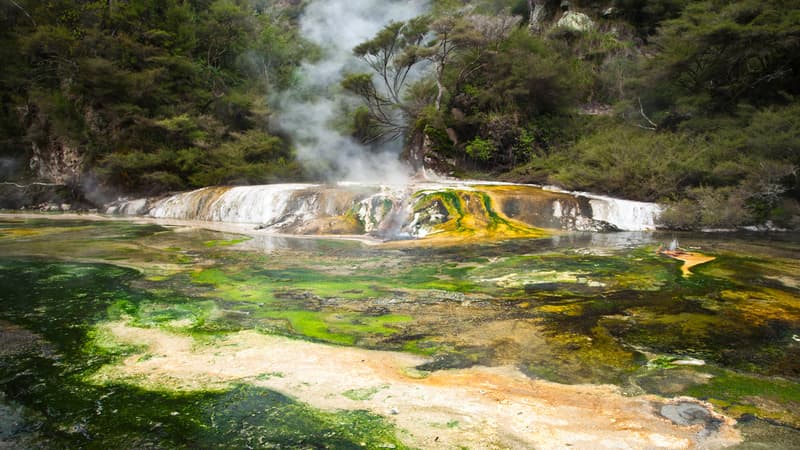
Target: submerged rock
{"x": 15, "y": 341}
{"x": 688, "y": 413}
{"x": 15, "y": 431}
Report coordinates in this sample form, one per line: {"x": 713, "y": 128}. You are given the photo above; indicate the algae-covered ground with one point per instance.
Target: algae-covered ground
{"x": 572, "y": 309}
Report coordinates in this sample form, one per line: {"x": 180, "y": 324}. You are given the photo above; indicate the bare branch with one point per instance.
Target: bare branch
{"x": 653, "y": 126}
{"x": 26, "y": 186}
{"x": 24, "y": 12}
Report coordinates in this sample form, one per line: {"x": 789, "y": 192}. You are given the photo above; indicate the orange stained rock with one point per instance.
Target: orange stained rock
{"x": 690, "y": 259}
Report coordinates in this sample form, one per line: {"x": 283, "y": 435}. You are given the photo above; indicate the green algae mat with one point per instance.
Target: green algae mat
{"x": 573, "y": 309}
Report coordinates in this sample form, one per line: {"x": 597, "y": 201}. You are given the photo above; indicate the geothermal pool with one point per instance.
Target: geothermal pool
{"x": 121, "y": 334}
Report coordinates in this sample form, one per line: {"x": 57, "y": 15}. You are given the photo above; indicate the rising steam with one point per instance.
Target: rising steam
{"x": 309, "y": 110}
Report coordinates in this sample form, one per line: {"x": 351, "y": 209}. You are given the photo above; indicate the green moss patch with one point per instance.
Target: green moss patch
{"x": 225, "y": 242}
{"x": 737, "y": 394}
{"x": 363, "y": 394}
{"x": 338, "y": 328}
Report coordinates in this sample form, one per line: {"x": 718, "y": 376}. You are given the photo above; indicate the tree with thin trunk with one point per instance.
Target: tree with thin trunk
{"x": 394, "y": 52}
{"x": 388, "y": 56}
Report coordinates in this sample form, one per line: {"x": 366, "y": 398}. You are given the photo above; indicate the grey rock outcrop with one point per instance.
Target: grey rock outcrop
{"x": 576, "y": 21}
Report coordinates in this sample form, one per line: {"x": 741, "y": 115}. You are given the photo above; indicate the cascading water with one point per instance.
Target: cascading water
{"x": 245, "y": 204}
{"x": 625, "y": 214}
{"x": 393, "y": 212}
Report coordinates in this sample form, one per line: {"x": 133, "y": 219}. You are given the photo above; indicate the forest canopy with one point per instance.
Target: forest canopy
{"x": 689, "y": 103}
{"x": 693, "y": 104}
{"x": 153, "y": 95}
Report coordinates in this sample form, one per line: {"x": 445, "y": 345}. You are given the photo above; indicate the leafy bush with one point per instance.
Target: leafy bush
{"x": 626, "y": 161}
{"x": 481, "y": 149}
{"x": 717, "y": 55}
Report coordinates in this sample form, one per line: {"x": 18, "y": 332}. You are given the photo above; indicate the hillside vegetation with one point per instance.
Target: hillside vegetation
{"x": 690, "y": 103}
{"x": 146, "y": 96}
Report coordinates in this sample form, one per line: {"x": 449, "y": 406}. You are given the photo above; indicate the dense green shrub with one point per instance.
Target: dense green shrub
{"x": 155, "y": 95}
{"x": 624, "y": 160}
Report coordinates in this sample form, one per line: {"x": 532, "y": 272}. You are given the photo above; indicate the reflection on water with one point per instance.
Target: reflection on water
{"x": 573, "y": 308}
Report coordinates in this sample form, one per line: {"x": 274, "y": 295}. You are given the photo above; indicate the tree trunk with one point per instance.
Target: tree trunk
{"x": 417, "y": 148}
{"x": 439, "y": 86}
{"x": 537, "y": 9}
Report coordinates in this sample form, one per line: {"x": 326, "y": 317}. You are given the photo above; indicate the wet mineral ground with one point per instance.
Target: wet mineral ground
{"x": 117, "y": 334}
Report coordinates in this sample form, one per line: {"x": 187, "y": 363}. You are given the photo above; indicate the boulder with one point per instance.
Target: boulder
{"x": 575, "y": 21}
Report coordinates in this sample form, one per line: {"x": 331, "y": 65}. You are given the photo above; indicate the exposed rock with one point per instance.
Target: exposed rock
{"x": 135, "y": 207}
{"x": 57, "y": 162}
{"x": 336, "y": 225}
{"x": 550, "y": 210}
{"x": 423, "y": 221}
{"x": 689, "y": 362}
{"x": 576, "y": 21}
{"x": 373, "y": 210}
{"x": 451, "y": 133}
{"x": 397, "y": 212}
{"x": 596, "y": 109}
{"x": 50, "y": 207}
{"x": 45, "y": 196}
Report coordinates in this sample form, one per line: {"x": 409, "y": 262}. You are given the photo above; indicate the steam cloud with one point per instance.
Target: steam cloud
{"x": 308, "y": 110}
